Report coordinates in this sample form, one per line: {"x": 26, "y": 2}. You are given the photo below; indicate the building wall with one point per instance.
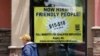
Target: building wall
{"x": 19, "y": 25}
{"x": 5, "y": 26}
{"x": 5, "y": 35}
{"x": 97, "y": 13}
{"x": 90, "y": 24}
{"x": 5, "y": 13}
{"x": 96, "y": 30}
{"x": 20, "y": 20}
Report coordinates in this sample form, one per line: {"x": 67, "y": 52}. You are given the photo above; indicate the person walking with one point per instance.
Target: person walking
{"x": 30, "y": 48}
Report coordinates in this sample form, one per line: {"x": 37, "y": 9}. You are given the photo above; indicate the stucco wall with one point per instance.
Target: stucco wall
{"x": 20, "y": 20}
{"x": 19, "y": 25}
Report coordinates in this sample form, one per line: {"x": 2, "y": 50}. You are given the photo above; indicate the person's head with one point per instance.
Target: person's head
{"x": 25, "y": 38}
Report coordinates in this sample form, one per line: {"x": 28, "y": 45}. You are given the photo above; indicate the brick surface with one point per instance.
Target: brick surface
{"x": 5, "y": 36}
{"x": 96, "y": 49}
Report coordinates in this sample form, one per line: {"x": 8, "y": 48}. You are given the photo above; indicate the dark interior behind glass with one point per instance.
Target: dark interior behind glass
{"x": 60, "y": 49}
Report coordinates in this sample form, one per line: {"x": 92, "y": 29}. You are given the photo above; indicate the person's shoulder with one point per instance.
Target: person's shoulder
{"x": 30, "y": 45}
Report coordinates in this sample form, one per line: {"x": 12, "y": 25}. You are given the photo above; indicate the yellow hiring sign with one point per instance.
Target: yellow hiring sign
{"x": 58, "y": 25}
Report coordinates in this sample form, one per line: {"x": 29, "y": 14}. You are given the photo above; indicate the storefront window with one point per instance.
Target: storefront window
{"x": 63, "y": 48}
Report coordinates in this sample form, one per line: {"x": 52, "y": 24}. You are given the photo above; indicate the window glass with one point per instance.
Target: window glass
{"x": 61, "y": 49}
